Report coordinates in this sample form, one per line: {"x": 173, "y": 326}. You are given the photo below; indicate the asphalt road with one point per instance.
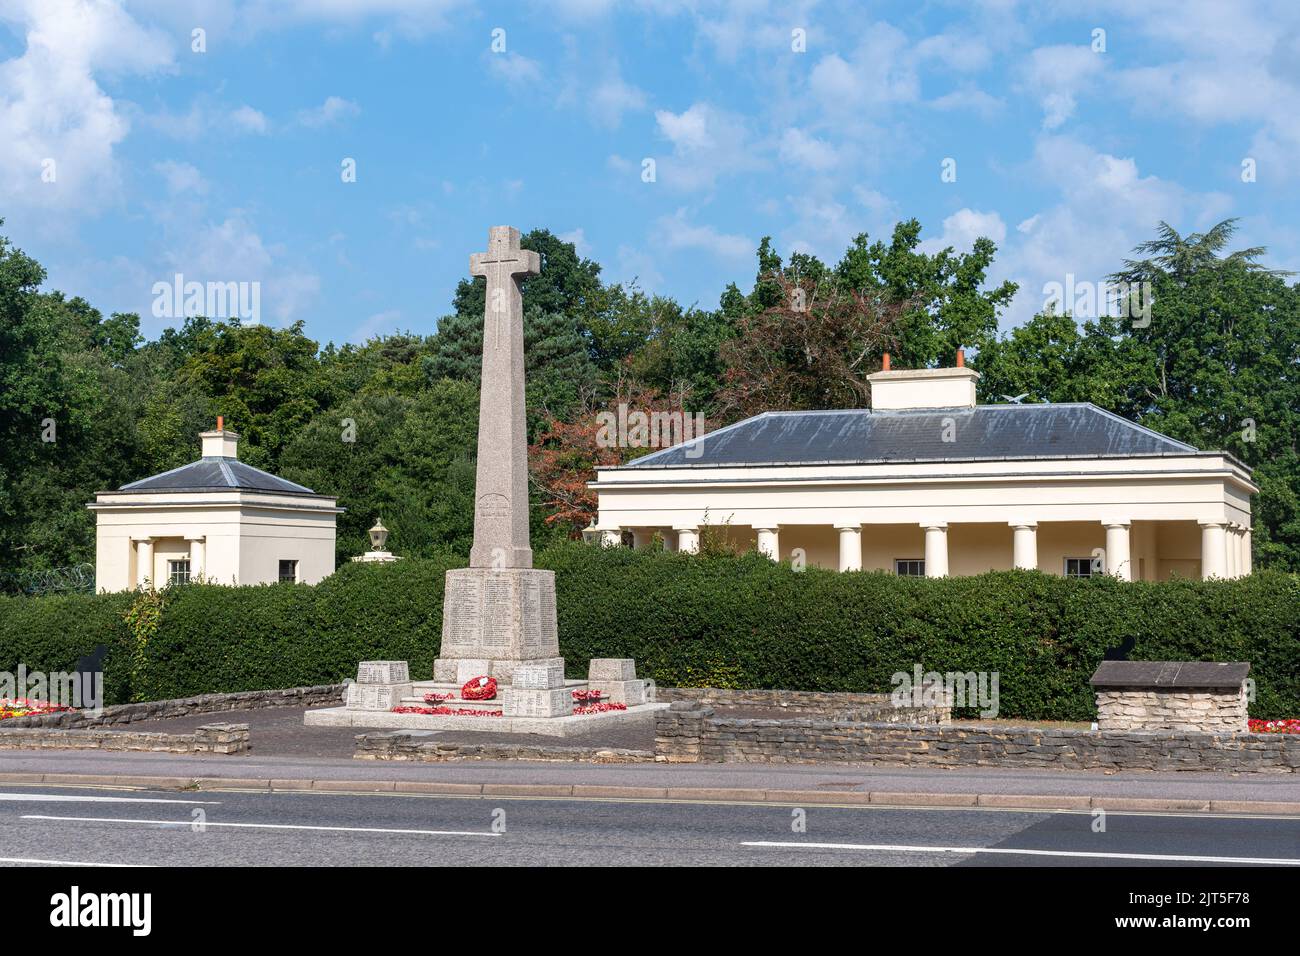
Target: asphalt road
{"x": 44, "y": 825}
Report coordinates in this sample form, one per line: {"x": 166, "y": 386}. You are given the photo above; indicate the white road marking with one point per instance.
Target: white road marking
{"x": 24, "y": 861}
{"x": 73, "y": 798}
{"x": 262, "y": 826}
{"x": 901, "y": 848}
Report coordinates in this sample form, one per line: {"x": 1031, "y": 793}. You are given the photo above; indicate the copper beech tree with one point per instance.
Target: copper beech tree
{"x": 637, "y": 420}
{"x": 813, "y": 348}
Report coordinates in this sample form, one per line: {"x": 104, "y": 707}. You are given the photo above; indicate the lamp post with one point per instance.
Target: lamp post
{"x": 378, "y": 538}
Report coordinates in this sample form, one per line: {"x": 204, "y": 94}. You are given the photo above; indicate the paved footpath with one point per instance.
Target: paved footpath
{"x": 288, "y": 756}
{"x": 1054, "y": 789}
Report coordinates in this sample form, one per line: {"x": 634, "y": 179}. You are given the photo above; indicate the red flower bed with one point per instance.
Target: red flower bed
{"x": 443, "y": 711}
{"x": 598, "y": 708}
{"x": 1287, "y": 726}
{"x": 479, "y": 688}
{"x": 24, "y": 707}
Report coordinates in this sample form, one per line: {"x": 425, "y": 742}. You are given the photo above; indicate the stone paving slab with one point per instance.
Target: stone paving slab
{"x": 578, "y": 724}
{"x": 280, "y": 731}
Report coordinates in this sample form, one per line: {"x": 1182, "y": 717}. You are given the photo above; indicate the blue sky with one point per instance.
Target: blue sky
{"x": 224, "y": 165}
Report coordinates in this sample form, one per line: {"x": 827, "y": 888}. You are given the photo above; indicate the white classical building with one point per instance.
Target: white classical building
{"x": 217, "y": 519}
{"x": 928, "y": 482}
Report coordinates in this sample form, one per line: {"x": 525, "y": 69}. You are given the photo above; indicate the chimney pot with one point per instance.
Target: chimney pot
{"x": 884, "y": 363}
{"x": 221, "y": 423}
{"x": 961, "y": 358}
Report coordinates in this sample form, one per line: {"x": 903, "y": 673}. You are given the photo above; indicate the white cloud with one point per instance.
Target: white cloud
{"x": 249, "y": 120}
{"x": 1106, "y": 207}
{"x": 1057, "y": 76}
{"x": 969, "y": 101}
{"x": 676, "y": 232}
{"x": 52, "y": 107}
{"x": 579, "y": 239}
{"x": 611, "y": 98}
{"x": 963, "y": 54}
{"x": 878, "y": 205}
{"x": 633, "y": 264}
{"x": 380, "y": 323}
{"x": 334, "y": 109}
{"x": 233, "y": 251}
{"x": 962, "y": 228}
{"x": 801, "y": 149}
{"x": 880, "y": 72}
{"x": 514, "y": 70}
{"x": 707, "y": 143}
{"x": 181, "y": 177}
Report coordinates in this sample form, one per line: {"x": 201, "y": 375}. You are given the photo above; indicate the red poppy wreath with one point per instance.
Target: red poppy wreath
{"x": 479, "y": 688}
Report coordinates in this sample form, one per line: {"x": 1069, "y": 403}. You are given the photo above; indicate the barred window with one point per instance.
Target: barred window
{"x": 178, "y": 572}
{"x": 1078, "y": 567}
{"x": 289, "y": 571}
{"x": 909, "y": 567}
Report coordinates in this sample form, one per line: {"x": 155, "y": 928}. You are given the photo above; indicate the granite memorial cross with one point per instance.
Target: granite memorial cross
{"x": 501, "y": 485}
{"x": 499, "y": 613}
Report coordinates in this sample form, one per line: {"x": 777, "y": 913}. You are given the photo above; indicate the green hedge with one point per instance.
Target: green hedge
{"x": 695, "y": 621}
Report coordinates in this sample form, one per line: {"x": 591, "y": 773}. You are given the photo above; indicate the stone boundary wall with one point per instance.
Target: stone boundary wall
{"x": 686, "y": 733}
{"x": 120, "y": 714}
{"x": 210, "y": 738}
{"x": 830, "y": 705}
{"x": 403, "y": 746}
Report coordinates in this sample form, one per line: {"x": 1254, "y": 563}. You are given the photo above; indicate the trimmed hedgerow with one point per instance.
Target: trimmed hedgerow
{"x": 689, "y": 620}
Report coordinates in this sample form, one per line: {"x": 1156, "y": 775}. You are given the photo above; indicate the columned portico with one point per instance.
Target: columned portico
{"x": 198, "y": 557}
{"x": 928, "y": 474}
{"x": 850, "y": 547}
{"x": 769, "y": 542}
{"x": 1119, "y": 560}
{"x": 143, "y": 562}
{"x": 936, "y": 550}
{"x": 1024, "y": 546}
{"x": 1214, "y": 550}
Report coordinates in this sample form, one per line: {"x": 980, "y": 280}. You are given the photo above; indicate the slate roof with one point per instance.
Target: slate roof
{"x": 864, "y": 436}
{"x": 215, "y": 474}
{"x": 1169, "y": 674}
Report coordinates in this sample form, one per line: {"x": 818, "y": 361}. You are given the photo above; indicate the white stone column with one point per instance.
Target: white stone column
{"x": 144, "y": 562}
{"x": 198, "y": 557}
{"x": 1118, "y": 557}
{"x": 1214, "y": 550}
{"x": 688, "y": 538}
{"x": 1024, "y": 546}
{"x": 936, "y": 550}
{"x": 1234, "y": 551}
{"x": 611, "y": 537}
{"x": 1247, "y": 559}
{"x": 641, "y": 538}
{"x": 850, "y": 547}
{"x": 769, "y": 542}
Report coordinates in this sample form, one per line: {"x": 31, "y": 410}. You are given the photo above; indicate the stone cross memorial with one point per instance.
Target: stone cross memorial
{"x": 499, "y": 613}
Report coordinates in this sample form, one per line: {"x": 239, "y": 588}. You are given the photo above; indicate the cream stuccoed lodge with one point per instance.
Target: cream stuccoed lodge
{"x": 928, "y": 482}
{"x": 217, "y": 520}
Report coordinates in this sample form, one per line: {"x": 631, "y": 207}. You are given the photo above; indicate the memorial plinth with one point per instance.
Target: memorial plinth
{"x": 498, "y": 619}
